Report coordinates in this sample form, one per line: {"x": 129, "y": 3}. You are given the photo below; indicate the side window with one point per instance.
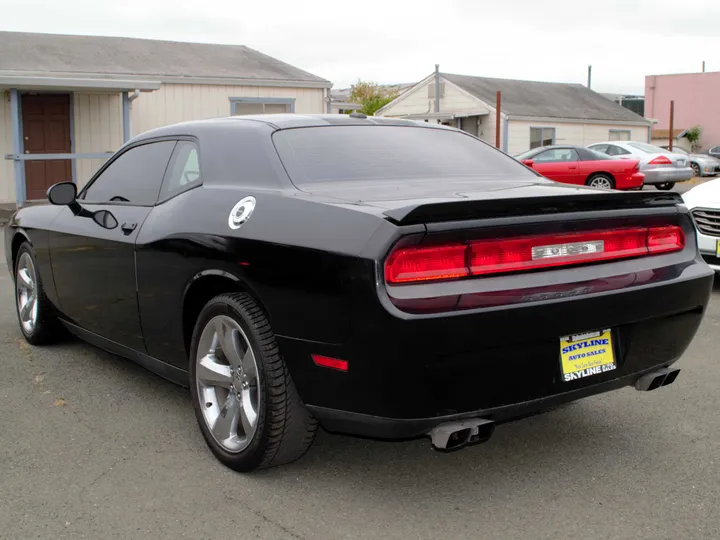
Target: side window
{"x": 183, "y": 171}
{"x": 613, "y": 150}
{"x": 599, "y": 148}
{"x": 134, "y": 177}
{"x": 715, "y": 150}
{"x": 556, "y": 155}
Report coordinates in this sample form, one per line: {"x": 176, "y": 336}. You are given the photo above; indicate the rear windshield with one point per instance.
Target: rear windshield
{"x": 339, "y": 153}
{"x": 649, "y": 148}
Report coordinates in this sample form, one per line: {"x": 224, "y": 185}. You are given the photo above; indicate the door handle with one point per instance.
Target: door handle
{"x": 572, "y": 167}
{"x": 128, "y": 228}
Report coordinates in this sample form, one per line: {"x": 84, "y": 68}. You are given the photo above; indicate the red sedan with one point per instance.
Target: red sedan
{"x": 582, "y": 166}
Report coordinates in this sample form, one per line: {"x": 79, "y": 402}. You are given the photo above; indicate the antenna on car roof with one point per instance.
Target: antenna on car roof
{"x": 358, "y": 115}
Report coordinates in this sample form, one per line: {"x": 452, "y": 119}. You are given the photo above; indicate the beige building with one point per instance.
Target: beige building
{"x": 532, "y": 113}
{"x": 70, "y": 101}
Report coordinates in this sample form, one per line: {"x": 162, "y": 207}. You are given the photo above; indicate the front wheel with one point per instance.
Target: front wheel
{"x": 666, "y": 186}
{"x": 696, "y": 169}
{"x": 602, "y": 181}
{"x": 245, "y": 402}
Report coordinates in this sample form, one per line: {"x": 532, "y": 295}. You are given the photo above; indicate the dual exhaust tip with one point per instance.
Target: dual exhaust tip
{"x": 457, "y": 435}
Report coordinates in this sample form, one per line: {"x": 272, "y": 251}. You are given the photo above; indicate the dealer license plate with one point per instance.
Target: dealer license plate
{"x": 588, "y": 354}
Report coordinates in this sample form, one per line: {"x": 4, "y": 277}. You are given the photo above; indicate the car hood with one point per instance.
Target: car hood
{"x": 707, "y": 195}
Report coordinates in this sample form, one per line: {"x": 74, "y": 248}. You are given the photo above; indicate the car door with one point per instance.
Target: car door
{"x": 94, "y": 265}
{"x": 559, "y": 164}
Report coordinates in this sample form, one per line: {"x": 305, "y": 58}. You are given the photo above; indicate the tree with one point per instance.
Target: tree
{"x": 693, "y": 137}
{"x": 371, "y": 96}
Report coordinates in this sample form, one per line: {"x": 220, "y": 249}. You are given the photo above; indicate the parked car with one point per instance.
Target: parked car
{"x": 578, "y": 165}
{"x": 703, "y": 201}
{"x": 373, "y": 276}
{"x": 713, "y": 151}
{"x": 661, "y": 168}
{"x": 702, "y": 164}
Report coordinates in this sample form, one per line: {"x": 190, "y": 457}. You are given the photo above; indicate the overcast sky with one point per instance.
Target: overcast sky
{"x": 394, "y": 41}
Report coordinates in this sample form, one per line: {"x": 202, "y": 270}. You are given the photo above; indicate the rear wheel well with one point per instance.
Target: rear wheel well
{"x": 600, "y": 173}
{"x": 200, "y": 293}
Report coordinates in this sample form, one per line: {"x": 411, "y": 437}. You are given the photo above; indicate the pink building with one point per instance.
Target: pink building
{"x": 697, "y": 103}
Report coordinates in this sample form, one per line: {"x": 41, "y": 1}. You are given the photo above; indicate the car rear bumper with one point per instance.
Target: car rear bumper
{"x": 407, "y": 375}
{"x": 661, "y": 175}
{"x": 631, "y": 181}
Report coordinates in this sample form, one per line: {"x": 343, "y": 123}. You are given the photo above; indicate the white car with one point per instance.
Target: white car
{"x": 660, "y": 167}
{"x": 703, "y": 201}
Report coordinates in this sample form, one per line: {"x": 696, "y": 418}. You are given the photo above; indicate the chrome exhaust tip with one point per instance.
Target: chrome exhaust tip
{"x": 457, "y": 435}
{"x": 656, "y": 379}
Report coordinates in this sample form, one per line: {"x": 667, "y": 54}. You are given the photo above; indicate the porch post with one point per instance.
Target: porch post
{"x": 126, "y": 116}
{"x": 19, "y": 166}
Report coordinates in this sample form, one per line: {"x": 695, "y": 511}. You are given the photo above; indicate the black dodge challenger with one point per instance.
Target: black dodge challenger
{"x": 376, "y": 277}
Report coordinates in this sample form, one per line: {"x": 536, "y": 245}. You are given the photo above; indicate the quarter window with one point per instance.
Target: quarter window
{"x": 133, "y": 177}
{"x": 183, "y": 172}
{"x": 613, "y": 150}
{"x": 541, "y": 136}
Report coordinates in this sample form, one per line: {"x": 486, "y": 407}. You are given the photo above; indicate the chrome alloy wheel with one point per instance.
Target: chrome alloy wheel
{"x": 226, "y": 376}
{"x": 26, "y": 290}
{"x": 601, "y": 182}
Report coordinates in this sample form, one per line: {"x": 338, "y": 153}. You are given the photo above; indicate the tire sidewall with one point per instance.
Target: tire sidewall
{"x": 252, "y": 455}
{"x": 596, "y": 176}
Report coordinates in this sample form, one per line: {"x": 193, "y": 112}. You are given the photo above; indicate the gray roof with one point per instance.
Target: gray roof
{"x": 544, "y": 99}
{"x": 96, "y": 55}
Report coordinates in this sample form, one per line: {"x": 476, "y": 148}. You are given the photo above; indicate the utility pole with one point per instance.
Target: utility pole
{"x": 672, "y": 118}
{"x": 498, "y": 102}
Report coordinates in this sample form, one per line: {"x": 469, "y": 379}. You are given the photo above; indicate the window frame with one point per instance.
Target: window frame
{"x": 613, "y": 130}
{"x": 263, "y": 101}
{"x": 115, "y": 157}
{"x": 542, "y": 138}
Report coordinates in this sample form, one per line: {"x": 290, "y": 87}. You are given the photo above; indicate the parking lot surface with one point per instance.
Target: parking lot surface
{"x": 96, "y": 447}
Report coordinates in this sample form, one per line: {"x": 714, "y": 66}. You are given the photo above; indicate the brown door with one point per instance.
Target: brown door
{"x": 46, "y": 130}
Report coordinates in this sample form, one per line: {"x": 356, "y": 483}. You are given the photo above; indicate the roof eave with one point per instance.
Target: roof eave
{"x": 526, "y": 118}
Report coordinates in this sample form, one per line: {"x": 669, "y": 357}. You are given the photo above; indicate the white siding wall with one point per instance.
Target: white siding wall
{"x": 98, "y": 128}
{"x": 418, "y": 102}
{"x": 174, "y": 103}
{"x": 567, "y": 133}
{"x": 7, "y": 176}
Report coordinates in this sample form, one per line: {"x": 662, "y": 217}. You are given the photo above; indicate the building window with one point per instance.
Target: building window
{"x": 541, "y": 136}
{"x": 619, "y": 135}
{"x": 261, "y": 105}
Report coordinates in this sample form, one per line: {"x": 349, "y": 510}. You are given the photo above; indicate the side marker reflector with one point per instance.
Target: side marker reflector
{"x": 332, "y": 363}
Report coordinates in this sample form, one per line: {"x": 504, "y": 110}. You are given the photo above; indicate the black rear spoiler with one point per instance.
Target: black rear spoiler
{"x": 493, "y": 208}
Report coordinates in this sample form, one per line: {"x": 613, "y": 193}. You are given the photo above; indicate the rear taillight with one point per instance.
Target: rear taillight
{"x": 484, "y": 257}
{"x": 661, "y": 160}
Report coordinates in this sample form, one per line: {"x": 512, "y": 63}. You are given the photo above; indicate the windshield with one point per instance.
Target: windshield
{"x": 649, "y": 148}
{"x": 529, "y": 154}
{"x": 339, "y": 153}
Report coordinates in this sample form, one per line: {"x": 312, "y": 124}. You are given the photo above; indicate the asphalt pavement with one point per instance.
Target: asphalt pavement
{"x": 93, "y": 446}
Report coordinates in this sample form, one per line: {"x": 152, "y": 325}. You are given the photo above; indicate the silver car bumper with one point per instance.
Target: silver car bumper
{"x": 661, "y": 175}
{"x": 708, "y": 250}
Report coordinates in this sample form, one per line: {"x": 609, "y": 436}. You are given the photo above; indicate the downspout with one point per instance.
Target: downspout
{"x": 127, "y": 109}
{"x": 505, "y": 134}
{"x": 437, "y": 88}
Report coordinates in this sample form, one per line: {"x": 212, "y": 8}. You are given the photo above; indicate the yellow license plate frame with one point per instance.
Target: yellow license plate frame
{"x": 587, "y": 354}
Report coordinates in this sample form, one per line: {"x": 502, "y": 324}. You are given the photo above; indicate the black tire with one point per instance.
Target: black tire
{"x": 667, "y": 186}
{"x": 47, "y": 328}
{"x": 285, "y": 428}
{"x": 696, "y": 169}
{"x": 601, "y": 177}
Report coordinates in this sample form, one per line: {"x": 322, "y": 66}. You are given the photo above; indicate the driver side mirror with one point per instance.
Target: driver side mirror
{"x": 62, "y": 194}
{"x": 528, "y": 162}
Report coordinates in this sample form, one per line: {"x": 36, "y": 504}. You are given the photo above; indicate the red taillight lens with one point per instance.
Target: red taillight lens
{"x": 665, "y": 239}
{"x": 425, "y": 263}
{"x": 484, "y": 257}
{"x": 332, "y": 363}
{"x": 661, "y": 160}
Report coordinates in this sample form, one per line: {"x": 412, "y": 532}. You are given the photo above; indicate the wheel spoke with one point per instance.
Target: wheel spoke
{"x": 230, "y": 345}
{"x": 249, "y": 366}
{"x": 248, "y": 415}
{"x": 211, "y": 373}
{"x": 26, "y": 279}
{"x": 26, "y": 310}
{"x": 226, "y": 424}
